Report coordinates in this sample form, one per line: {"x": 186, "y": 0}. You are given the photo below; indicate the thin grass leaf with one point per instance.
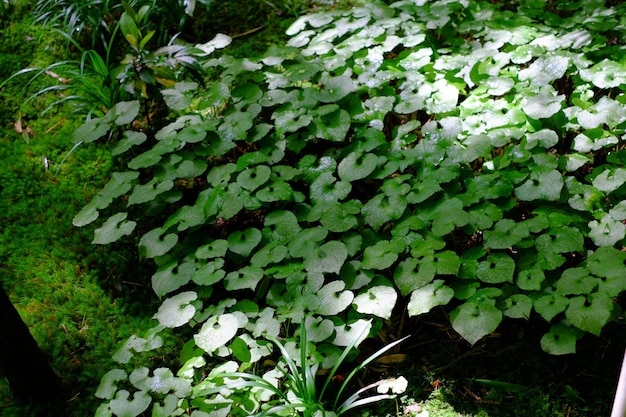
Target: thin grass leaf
{"x": 364, "y": 401}
{"x": 365, "y": 363}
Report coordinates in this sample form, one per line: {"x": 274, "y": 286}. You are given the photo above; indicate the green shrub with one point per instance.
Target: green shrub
{"x": 387, "y": 157}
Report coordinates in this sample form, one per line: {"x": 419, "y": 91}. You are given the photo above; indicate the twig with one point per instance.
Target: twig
{"x": 247, "y": 32}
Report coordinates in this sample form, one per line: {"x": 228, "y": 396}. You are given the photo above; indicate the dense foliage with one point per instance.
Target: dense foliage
{"x": 389, "y": 157}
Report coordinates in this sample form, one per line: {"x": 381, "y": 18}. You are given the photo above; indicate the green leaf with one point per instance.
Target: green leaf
{"x": 561, "y": 340}
{"x": 541, "y": 185}
{"x": 498, "y": 268}
{"x": 124, "y": 112}
{"x": 518, "y": 306}
{"x": 113, "y": 229}
{"x": 121, "y": 406}
{"x": 91, "y": 130}
{"x": 605, "y": 74}
{"x": 156, "y": 243}
{"x": 333, "y": 299}
{"x": 610, "y": 179}
{"x": 381, "y": 255}
{"x": 244, "y": 242}
{"x": 378, "y": 301}
{"x": 328, "y": 257}
{"x": 129, "y": 139}
{"x": 429, "y": 296}
{"x": 333, "y": 126}
{"x": 382, "y": 209}
{"x": 246, "y": 277}
{"x": 333, "y": 89}
{"x": 355, "y": 167}
{"x": 210, "y": 273}
{"x": 606, "y": 232}
{"x": 216, "y": 332}
{"x": 254, "y": 177}
{"x": 143, "y": 193}
{"x": 542, "y": 105}
{"x": 340, "y": 217}
{"x": 590, "y": 313}
{"x": 412, "y": 274}
{"x": 474, "y": 320}
{"x": 177, "y": 310}
{"x": 240, "y": 350}
{"x": 171, "y": 277}
{"x": 327, "y": 188}
{"x": 281, "y": 225}
{"x": 576, "y": 281}
{"x": 550, "y": 305}
{"x": 505, "y": 234}
{"x": 107, "y": 388}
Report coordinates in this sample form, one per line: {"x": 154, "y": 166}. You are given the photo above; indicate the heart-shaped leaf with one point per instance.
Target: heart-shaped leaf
{"x": 113, "y": 229}
{"x": 425, "y": 298}
{"x": 333, "y": 299}
{"x": 590, "y": 313}
{"x": 328, "y": 257}
{"x": 244, "y": 242}
{"x": 177, "y": 310}
{"x": 561, "y": 340}
{"x": 499, "y": 267}
{"x": 216, "y": 332}
{"x": 378, "y": 301}
{"x": 156, "y": 243}
{"x": 246, "y": 277}
{"x": 474, "y": 320}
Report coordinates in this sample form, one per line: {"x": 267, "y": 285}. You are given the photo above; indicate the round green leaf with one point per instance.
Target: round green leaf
{"x": 474, "y": 320}
{"x": 156, "y": 243}
{"x": 561, "y": 340}
{"x": 216, "y": 332}
{"x": 425, "y": 298}
{"x": 518, "y": 306}
{"x": 333, "y": 299}
{"x": 378, "y": 301}
{"x": 499, "y": 267}
{"x": 121, "y": 406}
{"x": 550, "y": 305}
{"x": 243, "y": 242}
{"x": 355, "y": 167}
{"x": 328, "y": 257}
{"x": 590, "y": 313}
{"x": 254, "y": 177}
{"x": 177, "y": 310}
{"x": 246, "y": 277}
{"x": 113, "y": 228}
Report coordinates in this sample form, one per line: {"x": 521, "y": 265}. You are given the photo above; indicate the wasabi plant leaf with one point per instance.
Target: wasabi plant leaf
{"x": 378, "y": 301}
{"x": 541, "y": 186}
{"x": 610, "y": 179}
{"x": 381, "y": 255}
{"x": 429, "y": 296}
{"x": 114, "y": 228}
{"x": 499, "y": 267}
{"x": 518, "y": 306}
{"x": 216, "y": 332}
{"x": 590, "y": 313}
{"x": 246, "y": 277}
{"x": 505, "y": 234}
{"x": 561, "y": 340}
{"x": 550, "y": 305}
{"x": 607, "y": 232}
{"x": 176, "y": 311}
{"x": 171, "y": 277}
{"x": 244, "y": 242}
{"x": 107, "y": 388}
{"x": 474, "y": 320}
{"x": 328, "y": 257}
{"x": 355, "y": 167}
{"x": 252, "y": 178}
{"x": 123, "y": 407}
{"x": 156, "y": 243}
{"x": 333, "y": 298}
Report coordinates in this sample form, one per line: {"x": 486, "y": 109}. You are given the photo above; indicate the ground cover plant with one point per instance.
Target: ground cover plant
{"x": 389, "y": 157}
{"x": 392, "y": 161}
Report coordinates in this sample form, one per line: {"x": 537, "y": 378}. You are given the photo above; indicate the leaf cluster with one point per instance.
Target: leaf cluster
{"x": 445, "y": 154}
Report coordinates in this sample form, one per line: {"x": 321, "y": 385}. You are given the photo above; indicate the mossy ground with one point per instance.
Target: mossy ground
{"x": 81, "y": 301}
